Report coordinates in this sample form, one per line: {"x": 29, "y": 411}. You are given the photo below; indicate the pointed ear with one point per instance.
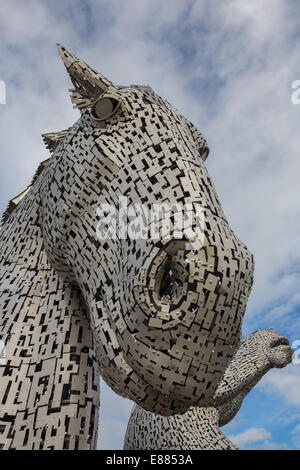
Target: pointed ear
{"x": 88, "y": 83}
{"x": 53, "y": 139}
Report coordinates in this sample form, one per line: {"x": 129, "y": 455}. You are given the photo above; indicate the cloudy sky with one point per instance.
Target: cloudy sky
{"x": 228, "y": 66}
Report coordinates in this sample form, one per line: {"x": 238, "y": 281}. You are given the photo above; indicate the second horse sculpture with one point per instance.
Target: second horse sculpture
{"x": 159, "y": 317}
{"x": 199, "y": 428}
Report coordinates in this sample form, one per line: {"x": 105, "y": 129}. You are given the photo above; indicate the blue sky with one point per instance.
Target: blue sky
{"x": 227, "y": 66}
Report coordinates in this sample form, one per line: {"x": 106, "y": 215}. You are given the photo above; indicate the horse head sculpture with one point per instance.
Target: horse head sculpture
{"x": 164, "y": 351}
{"x": 163, "y": 313}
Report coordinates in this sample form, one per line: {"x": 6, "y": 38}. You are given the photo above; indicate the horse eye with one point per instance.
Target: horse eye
{"x": 104, "y": 108}
{"x": 204, "y": 153}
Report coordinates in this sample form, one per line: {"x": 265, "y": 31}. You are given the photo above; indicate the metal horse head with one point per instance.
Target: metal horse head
{"x": 166, "y": 311}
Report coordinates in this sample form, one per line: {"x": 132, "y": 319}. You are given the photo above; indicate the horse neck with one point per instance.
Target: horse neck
{"x": 49, "y": 382}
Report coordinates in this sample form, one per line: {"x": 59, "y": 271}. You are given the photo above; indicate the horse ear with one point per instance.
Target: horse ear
{"x": 52, "y": 139}
{"x": 88, "y": 83}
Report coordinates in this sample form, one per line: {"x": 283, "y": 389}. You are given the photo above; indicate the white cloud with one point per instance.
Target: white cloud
{"x": 111, "y": 434}
{"x": 285, "y": 383}
{"x": 113, "y": 418}
{"x": 268, "y": 445}
{"x": 249, "y": 436}
{"x": 229, "y": 69}
{"x": 256, "y": 439}
{"x": 296, "y": 435}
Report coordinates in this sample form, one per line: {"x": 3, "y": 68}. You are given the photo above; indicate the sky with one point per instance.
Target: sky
{"x": 228, "y": 66}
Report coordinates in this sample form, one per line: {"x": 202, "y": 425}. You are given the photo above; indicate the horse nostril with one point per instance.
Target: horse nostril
{"x": 169, "y": 284}
{"x": 170, "y": 276}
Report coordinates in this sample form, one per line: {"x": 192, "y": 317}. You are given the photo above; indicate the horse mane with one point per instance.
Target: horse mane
{"x": 51, "y": 141}
{"x": 12, "y": 204}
